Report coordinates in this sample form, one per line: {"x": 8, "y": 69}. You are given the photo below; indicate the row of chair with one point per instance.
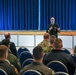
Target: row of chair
{"x": 32, "y": 72}
{"x": 23, "y": 54}
{"x": 26, "y": 58}
{"x": 57, "y": 66}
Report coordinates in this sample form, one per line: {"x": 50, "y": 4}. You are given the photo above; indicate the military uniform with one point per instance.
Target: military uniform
{"x": 54, "y": 31}
{"x": 39, "y": 67}
{"x": 59, "y": 55}
{"x": 44, "y": 44}
{"x": 14, "y": 60}
{"x": 49, "y": 49}
{"x": 8, "y": 68}
{"x": 13, "y": 48}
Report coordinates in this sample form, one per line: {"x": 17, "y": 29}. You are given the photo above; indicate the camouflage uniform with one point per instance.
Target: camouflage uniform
{"x": 49, "y": 49}
{"x": 45, "y": 45}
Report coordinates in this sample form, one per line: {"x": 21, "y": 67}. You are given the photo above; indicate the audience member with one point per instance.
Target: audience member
{"x": 12, "y": 45}
{"x": 51, "y": 46}
{"x": 12, "y": 58}
{"x": 38, "y": 55}
{"x": 45, "y": 43}
{"x": 7, "y": 67}
{"x": 58, "y": 54}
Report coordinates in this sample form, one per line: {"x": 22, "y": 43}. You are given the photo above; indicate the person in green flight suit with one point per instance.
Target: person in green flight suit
{"x": 45, "y": 43}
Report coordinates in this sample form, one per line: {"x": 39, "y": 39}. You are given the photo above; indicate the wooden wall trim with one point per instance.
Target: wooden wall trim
{"x": 69, "y": 33}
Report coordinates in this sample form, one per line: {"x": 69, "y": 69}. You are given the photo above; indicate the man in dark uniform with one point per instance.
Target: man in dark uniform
{"x": 58, "y": 54}
{"x": 38, "y": 55}
{"x": 12, "y": 45}
{"x": 7, "y": 67}
{"x": 53, "y": 28}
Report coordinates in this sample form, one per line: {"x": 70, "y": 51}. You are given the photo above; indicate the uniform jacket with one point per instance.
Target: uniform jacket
{"x": 44, "y": 44}
{"x": 39, "y": 67}
{"x": 63, "y": 57}
{"x": 8, "y": 68}
{"x": 14, "y": 60}
{"x": 54, "y": 31}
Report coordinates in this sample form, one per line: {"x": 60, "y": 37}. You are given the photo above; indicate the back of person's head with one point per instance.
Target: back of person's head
{"x": 52, "y": 39}
{"x": 6, "y": 42}
{"x": 7, "y": 35}
{"x": 38, "y": 52}
{"x": 46, "y": 36}
{"x": 3, "y": 51}
{"x": 58, "y": 43}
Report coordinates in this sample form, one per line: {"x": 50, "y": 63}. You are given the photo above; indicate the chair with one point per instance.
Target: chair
{"x": 27, "y": 61}
{"x": 66, "y": 51}
{"x": 31, "y": 72}
{"x": 20, "y": 50}
{"x": 2, "y": 72}
{"x": 24, "y": 55}
{"x": 57, "y": 66}
{"x": 61, "y": 73}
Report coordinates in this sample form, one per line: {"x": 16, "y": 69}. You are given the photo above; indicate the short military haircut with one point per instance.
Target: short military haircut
{"x": 37, "y": 52}
{"x": 7, "y": 35}
{"x": 46, "y": 35}
{"x": 52, "y": 39}
{"x": 5, "y": 42}
{"x": 3, "y": 50}
{"x": 57, "y": 43}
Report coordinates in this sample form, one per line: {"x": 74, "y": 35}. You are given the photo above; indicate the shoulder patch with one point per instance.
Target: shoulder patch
{"x": 16, "y": 70}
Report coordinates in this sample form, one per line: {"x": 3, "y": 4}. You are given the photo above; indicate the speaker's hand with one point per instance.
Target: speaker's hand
{"x": 50, "y": 28}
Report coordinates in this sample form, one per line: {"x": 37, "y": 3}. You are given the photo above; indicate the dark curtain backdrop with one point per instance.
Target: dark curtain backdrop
{"x": 36, "y": 14}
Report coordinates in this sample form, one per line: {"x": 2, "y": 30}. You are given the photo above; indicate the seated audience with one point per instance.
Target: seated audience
{"x": 38, "y": 55}
{"x": 12, "y": 58}
{"x": 45, "y": 43}
{"x": 7, "y": 67}
{"x": 58, "y": 54}
{"x": 12, "y": 45}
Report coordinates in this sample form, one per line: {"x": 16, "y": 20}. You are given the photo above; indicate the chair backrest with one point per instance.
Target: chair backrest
{"x": 57, "y": 66}
{"x": 20, "y": 50}
{"x": 61, "y": 73}
{"x": 24, "y": 55}
{"x": 66, "y": 51}
{"x": 27, "y": 61}
{"x": 2, "y": 72}
{"x": 31, "y": 72}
